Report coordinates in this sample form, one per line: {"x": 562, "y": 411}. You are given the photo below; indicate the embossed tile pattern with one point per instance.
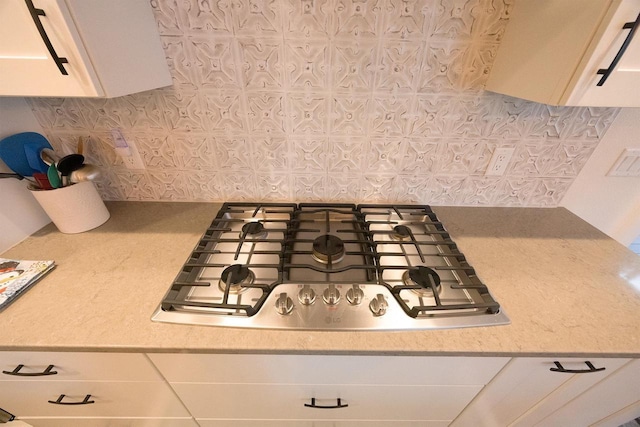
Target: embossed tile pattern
{"x": 330, "y": 100}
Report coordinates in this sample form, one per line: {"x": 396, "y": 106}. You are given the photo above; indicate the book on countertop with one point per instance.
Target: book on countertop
{"x": 16, "y": 276}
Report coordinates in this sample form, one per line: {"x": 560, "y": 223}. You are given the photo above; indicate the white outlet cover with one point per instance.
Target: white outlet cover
{"x": 499, "y": 161}
{"x": 134, "y": 160}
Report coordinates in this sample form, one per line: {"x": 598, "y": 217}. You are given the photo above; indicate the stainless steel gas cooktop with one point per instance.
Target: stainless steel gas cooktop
{"x": 328, "y": 267}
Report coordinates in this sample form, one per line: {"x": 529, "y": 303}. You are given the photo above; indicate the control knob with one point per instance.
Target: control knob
{"x": 306, "y": 296}
{"x": 284, "y": 304}
{"x": 331, "y": 295}
{"x": 378, "y": 305}
{"x": 355, "y": 295}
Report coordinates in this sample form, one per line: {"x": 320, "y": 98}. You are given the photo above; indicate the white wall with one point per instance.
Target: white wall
{"x": 20, "y": 214}
{"x": 612, "y": 204}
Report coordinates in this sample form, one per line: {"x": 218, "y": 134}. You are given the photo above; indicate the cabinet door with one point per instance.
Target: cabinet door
{"x": 76, "y": 366}
{"x": 27, "y": 399}
{"x": 616, "y": 392}
{"x": 287, "y": 402}
{"x": 27, "y": 67}
{"x": 622, "y": 87}
{"x": 543, "y": 44}
{"x": 526, "y": 391}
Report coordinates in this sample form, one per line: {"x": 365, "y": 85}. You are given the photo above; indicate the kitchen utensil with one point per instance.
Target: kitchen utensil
{"x": 47, "y": 158}
{"x": 13, "y": 151}
{"x": 86, "y": 172}
{"x": 54, "y": 177}
{"x": 80, "y": 148}
{"x": 68, "y": 164}
{"x": 43, "y": 180}
{"x": 11, "y": 175}
{"x": 32, "y": 151}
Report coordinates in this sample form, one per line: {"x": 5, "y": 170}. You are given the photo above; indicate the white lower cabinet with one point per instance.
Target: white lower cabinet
{"x": 615, "y": 397}
{"x": 527, "y": 391}
{"x": 242, "y": 390}
{"x": 51, "y": 389}
{"x": 76, "y": 366}
{"x": 287, "y": 401}
{"x": 265, "y": 390}
{"x": 110, "y": 399}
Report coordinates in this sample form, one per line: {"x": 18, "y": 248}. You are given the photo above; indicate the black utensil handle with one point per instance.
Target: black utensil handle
{"x": 313, "y": 404}
{"x": 560, "y": 368}
{"x": 16, "y": 372}
{"x": 6, "y": 416}
{"x": 86, "y": 401}
{"x": 10, "y": 175}
{"x": 36, "y": 14}
{"x": 606, "y": 72}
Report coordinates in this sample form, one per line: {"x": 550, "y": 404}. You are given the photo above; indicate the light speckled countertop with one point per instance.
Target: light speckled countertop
{"x": 568, "y": 289}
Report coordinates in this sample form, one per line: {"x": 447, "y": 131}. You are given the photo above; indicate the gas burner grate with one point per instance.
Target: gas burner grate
{"x": 227, "y": 240}
{"x": 348, "y": 245}
{"x": 408, "y": 238}
{"x": 264, "y": 265}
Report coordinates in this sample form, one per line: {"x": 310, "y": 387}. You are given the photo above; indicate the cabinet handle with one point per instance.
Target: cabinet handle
{"x": 313, "y": 404}
{"x": 606, "y": 72}
{"x": 36, "y": 14}
{"x": 592, "y": 368}
{"x": 86, "y": 401}
{"x": 17, "y": 372}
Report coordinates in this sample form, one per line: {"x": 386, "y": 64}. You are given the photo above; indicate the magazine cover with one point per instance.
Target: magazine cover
{"x": 17, "y": 276}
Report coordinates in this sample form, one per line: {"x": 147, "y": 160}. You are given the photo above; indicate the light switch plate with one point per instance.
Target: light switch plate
{"x": 628, "y": 164}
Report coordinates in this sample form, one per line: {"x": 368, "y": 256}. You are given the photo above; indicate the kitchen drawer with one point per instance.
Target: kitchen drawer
{"x": 286, "y": 401}
{"x": 316, "y": 423}
{"x": 112, "y": 399}
{"x": 526, "y": 390}
{"x": 110, "y": 422}
{"x": 303, "y": 369}
{"x": 78, "y": 366}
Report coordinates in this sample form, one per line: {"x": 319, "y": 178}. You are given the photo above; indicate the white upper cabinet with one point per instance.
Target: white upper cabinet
{"x": 571, "y": 52}
{"x": 91, "y": 48}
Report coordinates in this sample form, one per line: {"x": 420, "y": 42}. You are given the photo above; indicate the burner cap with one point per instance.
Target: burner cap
{"x": 401, "y": 232}
{"x": 328, "y": 249}
{"x": 253, "y": 230}
{"x": 236, "y": 277}
{"x": 420, "y": 277}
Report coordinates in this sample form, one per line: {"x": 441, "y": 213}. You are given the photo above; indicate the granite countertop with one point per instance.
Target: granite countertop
{"x": 568, "y": 289}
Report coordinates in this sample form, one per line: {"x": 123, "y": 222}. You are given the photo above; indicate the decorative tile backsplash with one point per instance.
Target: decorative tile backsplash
{"x": 330, "y": 100}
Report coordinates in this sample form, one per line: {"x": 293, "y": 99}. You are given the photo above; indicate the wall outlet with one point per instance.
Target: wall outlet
{"x": 127, "y": 150}
{"x": 133, "y": 160}
{"x": 499, "y": 161}
{"x": 628, "y": 164}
